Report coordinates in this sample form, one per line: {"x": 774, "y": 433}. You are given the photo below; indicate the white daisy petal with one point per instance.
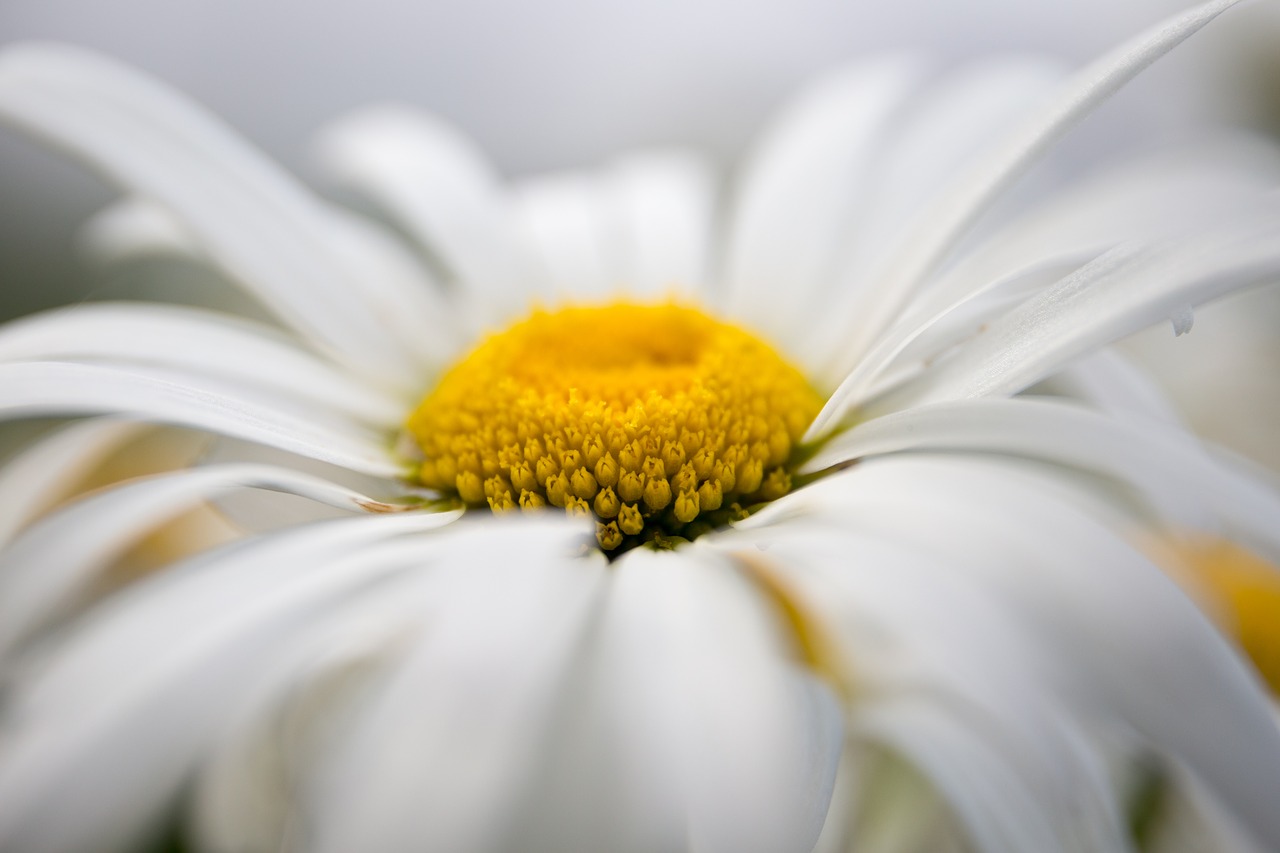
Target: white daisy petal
{"x": 251, "y": 218}
{"x": 575, "y": 232}
{"x": 950, "y": 217}
{"x": 39, "y": 476}
{"x": 666, "y": 200}
{"x": 1126, "y": 290}
{"x": 977, "y": 778}
{"x": 101, "y": 738}
{"x": 409, "y": 301}
{"x": 1111, "y": 383}
{"x": 968, "y": 108}
{"x": 467, "y": 709}
{"x": 1169, "y": 675}
{"x": 54, "y": 561}
{"x": 685, "y": 644}
{"x": 799, "y": 198}
{"x": 200, "y": 341}
{"x": 1141, "y": 201}
{"x": 135, "y": 227}
{"x": 441, "y": 190}
{"x": 1170, "y": 471}
{"x": 912, "y": 633}
{"x": 31, "y": 389}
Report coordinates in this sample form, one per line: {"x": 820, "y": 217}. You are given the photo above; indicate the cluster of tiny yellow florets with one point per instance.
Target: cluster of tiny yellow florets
{"x": 656, "y": 420}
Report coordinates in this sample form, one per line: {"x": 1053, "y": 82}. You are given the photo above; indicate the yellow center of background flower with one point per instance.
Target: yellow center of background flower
{"x": 657, "y": 420}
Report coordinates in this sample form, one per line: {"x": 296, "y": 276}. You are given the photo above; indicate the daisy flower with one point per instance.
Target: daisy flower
{"x": 617, "y": 524}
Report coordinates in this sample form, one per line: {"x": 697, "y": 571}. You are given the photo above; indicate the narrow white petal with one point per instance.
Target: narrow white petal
{"x": 968, "y": 107}
{"x": 1110, "y": 382}
{"x": 666, "y": 204}
{"x": 1168, "y": 469}
{"x": 409, "y": 302}
{"x": 198, "y": 341}
{"x": 46, "y": 568}
{"x": 134, "y": 227}
{"x": 1126, "y": 290}
{"x": 575, "y": 232}
{"x": 801, "y": 193}
{"x": 42, "y": 389}
{"x": 976, "y": 778}
{"x": 101, "y": 738}
{"x": 722, "y": 742}
{"x": 1138, "y": 202}
{"x": 912, "y": 631}
{"x": 1168, "y": 675}
{"x": 469, "y": 705}
{"x": 950, "y": 218}
{"x": 441, "y": 190}
{"x": 268, "y": 232}
{"x": 46, "y": 472}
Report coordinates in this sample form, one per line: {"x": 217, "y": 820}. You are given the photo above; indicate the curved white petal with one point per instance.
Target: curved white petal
{"x": 469, "y": 705}
{"x": 912, "y": 634}
{"x": 41, "y": 389}
{"x": 665, "y": 200}
{"x": 441, "y": 190}
{"x": 1111, "y": 383}
{"x": 575, "y": 232}
{"x": 46, "y": 568}
{"x": 950, "y": 217}
{"x": 200, "y": 341}
{"x": 100, "y": 738}
{"x": 968, "y": 108}
{"x": 1169, "y": 470}
{"x": 46, "y": 472}
{"x": 715, "y": 739}
{"x": 133, "y": 227}
{"x": 1140, "y": 201}
{"x": 1126, "y": 290}
{"x": 800, "y": 196}
{"x": 1168, "y": 675}
{"x": 252, "y": 219}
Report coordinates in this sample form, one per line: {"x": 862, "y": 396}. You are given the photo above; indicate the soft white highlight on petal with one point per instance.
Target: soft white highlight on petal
{"x": 443, "y": 192}
{"x": 799, "y": 197}
{"x": 1169, "y": 675}
{"x": 104, "y": 733}
{"x": 136, "y": 227}
{"x": 665, "y": 200}
{"x": 949, "y": 218}
{"x": 1111, "y": 383}
{"x": 939, "y": 136}
{"x": 269, "y": 233}
{"x": 685, "y": 646}
{"x": 1126, "y": 290}
{"x": 39, "y": 476}
{"x": 920, "y": 645}
{"x": 44, "y": 570}
{"x": 42, "y": 389}
{"x": 468, "y": 704}
{"x": 1168, "y": 469}
{"x": 199, "y": 341}
{"x": 575, "y": 232}
{"x": 1174, "y": 194}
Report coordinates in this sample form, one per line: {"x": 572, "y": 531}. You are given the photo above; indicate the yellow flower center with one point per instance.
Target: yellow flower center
{"x": 657, "y": 420}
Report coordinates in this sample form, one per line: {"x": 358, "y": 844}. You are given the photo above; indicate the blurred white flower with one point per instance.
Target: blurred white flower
{"x": 927, "y": 629}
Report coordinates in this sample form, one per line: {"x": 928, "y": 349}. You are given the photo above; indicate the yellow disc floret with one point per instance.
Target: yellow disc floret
{"x": 656, "y": 420}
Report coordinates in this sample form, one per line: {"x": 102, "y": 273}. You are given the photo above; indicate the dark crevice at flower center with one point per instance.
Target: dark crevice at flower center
{"x": 656, "y": 420}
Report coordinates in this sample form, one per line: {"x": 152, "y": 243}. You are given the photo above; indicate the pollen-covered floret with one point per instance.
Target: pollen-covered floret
{"x": 647, "y": 417}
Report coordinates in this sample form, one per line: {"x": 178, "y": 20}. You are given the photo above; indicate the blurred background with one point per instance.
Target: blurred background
{"x": 554, "y": 83}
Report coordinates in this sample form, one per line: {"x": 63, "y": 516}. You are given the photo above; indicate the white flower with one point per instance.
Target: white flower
{"x": 944, "y": 638}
